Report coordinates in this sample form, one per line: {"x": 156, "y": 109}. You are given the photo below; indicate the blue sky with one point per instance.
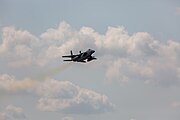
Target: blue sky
{"x": 157, "y": 17}
{"x": 135, "y": 77}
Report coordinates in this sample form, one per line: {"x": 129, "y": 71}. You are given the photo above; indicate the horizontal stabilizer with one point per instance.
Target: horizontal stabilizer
{"x": 68, "y": 56}
{"x": 67, "y": 60}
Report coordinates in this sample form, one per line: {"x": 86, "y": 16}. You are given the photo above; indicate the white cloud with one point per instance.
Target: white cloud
{"x": 125, "y": 57}
{"x": 12, "y": 37}
{"x": 17, "y": 46}
{"x": 12, "y": 113}
{"x": 63, "y": 32}
{"x": 139, "y": 56}
{"x": 71, "y": 99}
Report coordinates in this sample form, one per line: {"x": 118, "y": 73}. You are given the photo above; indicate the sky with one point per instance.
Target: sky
{"x": 136, "y": 75}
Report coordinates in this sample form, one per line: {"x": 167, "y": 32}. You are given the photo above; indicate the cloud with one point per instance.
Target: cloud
{"x": 10, "y": 84}
{"x": 57, "y": 89}
{"x": 57, "y": 95}
{"x": 132, "y": 119}
{"x": 63, "y": 32}
{"x": 124, "y": 57}
{"x": 12, "y": 113}
{"x": 17, "y": 46}
{"x": 176, "y": 104}
{"x": 67, "y": 118}
{"x": 68, "y": 98}
{"x": 128, "y": 57}
{"x": 178, "y": 11}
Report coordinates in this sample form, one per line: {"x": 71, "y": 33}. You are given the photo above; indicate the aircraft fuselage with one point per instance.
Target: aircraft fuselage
{"x": 81, "y": 57}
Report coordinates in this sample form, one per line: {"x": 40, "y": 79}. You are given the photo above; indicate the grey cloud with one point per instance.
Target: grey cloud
{"x": 57, "y": 89}
{"x": 12, "y": 113}
{"x": 10, "y": 84}
{"x": 178, "y": 11}
{"x": 67, "y": 118}
{"x": 57, "y": 95}
{"x": 176, "y": 104}
{"x": 71, "y": 99}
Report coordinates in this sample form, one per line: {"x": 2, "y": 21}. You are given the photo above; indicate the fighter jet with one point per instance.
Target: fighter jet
{"x": 81, "y": 57}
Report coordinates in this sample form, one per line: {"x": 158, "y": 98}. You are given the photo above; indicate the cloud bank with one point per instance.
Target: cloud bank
{"x": 124, "y": 57}
{"x": 62, "y": 96}
{"x": 10, "y": 84}
{"x": 68, "y": 98}
{"x": 12, "y": 113}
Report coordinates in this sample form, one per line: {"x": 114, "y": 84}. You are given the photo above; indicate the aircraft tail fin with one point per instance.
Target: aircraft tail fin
{"x": 71, "y": 53}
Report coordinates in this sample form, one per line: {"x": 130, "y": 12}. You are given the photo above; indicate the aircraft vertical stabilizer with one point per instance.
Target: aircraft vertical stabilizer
{"x": 71, "y": 52}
